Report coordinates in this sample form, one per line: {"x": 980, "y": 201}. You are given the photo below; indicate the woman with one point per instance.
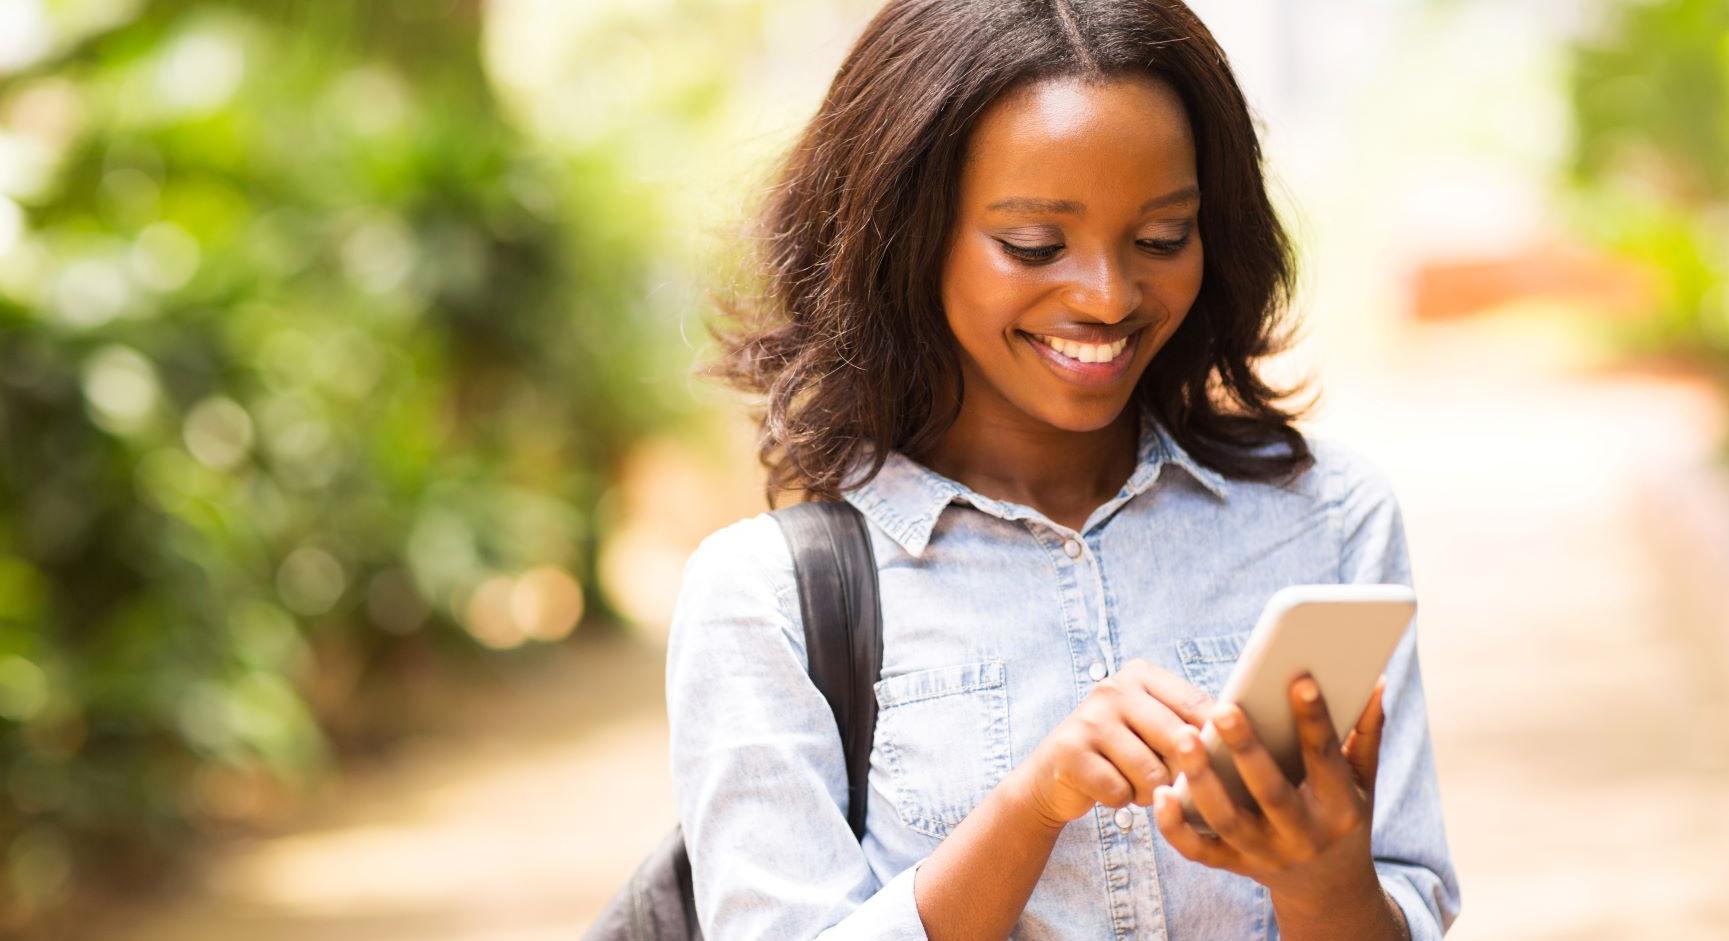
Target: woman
{"x": 1019, "y": 270}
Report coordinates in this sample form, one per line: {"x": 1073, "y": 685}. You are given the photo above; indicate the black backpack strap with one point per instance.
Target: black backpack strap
{"x": 837, "y": 589}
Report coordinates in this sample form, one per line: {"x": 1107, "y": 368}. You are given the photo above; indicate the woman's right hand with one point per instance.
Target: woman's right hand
{"x": 1116, "y": 747}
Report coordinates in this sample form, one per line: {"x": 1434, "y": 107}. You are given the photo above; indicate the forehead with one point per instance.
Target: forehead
{"x": 1058, "y": 137}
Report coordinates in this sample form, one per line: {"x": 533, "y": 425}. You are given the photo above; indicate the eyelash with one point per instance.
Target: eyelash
{"x": 1046, "y": 252}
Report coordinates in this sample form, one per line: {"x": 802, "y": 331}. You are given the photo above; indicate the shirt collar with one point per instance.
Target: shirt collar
{"x": 905, "y": 498}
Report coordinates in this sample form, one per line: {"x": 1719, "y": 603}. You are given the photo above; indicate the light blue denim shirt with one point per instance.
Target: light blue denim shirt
{"x": 996, "y": 622}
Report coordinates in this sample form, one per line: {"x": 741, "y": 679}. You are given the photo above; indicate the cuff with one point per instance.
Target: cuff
{"x": 1419, "y": 920}
{"x": 889, "y": 915}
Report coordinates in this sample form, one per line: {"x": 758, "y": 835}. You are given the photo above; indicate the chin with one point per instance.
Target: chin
{"x": 1081, "y": 416}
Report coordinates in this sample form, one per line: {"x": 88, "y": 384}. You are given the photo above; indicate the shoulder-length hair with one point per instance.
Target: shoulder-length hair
{"x": 843, "y": 333}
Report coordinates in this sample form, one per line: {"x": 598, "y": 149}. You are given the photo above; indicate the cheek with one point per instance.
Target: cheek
{"x": 1179, "y": 290}
{"x": 982, "y": 295}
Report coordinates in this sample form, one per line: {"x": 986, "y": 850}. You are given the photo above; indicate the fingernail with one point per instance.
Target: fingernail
{"x": 1227, "y": 721}
{"x": 1308, "y": 691}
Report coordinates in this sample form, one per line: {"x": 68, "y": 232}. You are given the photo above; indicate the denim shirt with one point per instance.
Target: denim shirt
{"x": 996, "y": 622}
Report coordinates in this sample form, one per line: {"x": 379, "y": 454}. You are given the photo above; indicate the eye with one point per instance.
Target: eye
{"x": 1030, "y": 253}
{"x": 1038, "y": 253}
{"x": 1164, "y": 246}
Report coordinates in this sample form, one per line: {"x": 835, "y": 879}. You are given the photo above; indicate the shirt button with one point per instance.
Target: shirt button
{"x": 1125, "y": 819}
{"x": 1073, "y": 548}
{"x": 1097, "y": 671}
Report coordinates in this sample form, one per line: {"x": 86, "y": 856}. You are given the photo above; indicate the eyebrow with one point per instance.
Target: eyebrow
{"x": 1074, "y": 208}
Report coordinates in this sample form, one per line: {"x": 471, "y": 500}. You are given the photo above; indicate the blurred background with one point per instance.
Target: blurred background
{"x": 349, "y": 455}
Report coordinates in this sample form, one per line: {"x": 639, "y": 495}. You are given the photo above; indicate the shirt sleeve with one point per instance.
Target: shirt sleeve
{"x": 1408, "y": 838}
{"x": 757, "y": 763}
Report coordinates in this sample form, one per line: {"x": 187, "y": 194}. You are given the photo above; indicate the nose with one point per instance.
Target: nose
{"x": 1103, "y": 287}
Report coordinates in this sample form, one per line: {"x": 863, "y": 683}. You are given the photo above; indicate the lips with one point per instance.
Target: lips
{"x": 1081, "y": 373}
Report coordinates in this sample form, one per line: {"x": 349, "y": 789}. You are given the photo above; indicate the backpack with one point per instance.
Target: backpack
{"x": 837, "y": 587}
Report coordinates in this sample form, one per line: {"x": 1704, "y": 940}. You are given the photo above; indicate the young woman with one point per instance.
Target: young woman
{"x": 1019, "y": 271}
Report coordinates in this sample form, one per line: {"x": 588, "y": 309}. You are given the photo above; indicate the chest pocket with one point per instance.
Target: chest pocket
{"x": 1207, "y": 661}
{"x": 944, "y": 736}
{"x": 1230, "y": 905}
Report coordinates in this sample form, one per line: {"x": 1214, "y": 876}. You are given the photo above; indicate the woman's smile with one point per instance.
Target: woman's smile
{"x": 1085, "y": 364}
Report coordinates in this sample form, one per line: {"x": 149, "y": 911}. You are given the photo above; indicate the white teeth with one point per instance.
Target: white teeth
{"x": 1085, "y": 352}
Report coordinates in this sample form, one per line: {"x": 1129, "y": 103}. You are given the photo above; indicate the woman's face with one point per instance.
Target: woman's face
{"x": 1077, "y": 224}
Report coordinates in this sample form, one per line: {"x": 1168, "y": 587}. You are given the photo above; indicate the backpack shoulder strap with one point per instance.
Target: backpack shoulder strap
{"x": 837, "y": 589}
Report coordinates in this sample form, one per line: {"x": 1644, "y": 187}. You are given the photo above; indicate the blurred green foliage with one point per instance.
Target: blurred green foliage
{"x": 299, "y": 341}
{"x": 1650, "y": 100}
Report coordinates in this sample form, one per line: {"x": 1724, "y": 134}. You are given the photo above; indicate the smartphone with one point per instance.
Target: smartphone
{"x": 1343, "y": 635}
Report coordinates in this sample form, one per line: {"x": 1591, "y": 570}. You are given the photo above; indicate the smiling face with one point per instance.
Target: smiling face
{"x": 1076, "y": 222}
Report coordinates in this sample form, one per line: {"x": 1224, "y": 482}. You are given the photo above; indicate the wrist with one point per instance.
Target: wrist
{"x": 1357, "y": 895}
{"x": 1020, "y": 790}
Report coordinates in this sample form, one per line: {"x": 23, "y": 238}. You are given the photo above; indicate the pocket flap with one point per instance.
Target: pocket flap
{"x": 1221, "y": 648}
{"x": 938, "y": 681}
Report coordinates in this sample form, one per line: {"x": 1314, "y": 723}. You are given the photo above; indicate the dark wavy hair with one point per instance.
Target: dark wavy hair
{"x": 841, "y": 330}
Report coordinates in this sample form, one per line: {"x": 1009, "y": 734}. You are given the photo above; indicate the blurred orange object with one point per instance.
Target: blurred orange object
{"x": 1443, "y": 289}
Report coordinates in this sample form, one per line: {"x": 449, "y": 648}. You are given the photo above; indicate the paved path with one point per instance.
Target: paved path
{"x": 1576, "y": 677}
{"x": 512, "y": 827}
{"x": 1577, "y": 667}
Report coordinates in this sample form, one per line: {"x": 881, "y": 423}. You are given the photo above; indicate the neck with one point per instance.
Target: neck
{"x": 1059, "y": 472}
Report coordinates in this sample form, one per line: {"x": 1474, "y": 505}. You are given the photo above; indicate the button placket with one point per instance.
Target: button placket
{"x": 1073, "y": 548}
{"x": 1103, "y": 631}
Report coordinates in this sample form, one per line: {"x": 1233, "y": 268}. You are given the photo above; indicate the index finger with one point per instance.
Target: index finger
{"x": 1188, "y": 701}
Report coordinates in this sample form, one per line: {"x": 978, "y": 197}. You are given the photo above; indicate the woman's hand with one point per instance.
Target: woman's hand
{"x": 1310, "y": 844}
{"x": 1115, "y": 747}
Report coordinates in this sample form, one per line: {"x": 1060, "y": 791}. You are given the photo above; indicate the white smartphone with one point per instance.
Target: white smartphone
{"x": 1343, "y": 635}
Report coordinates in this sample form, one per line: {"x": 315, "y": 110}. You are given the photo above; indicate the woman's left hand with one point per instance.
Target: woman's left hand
{"x": 1310, "y": 844}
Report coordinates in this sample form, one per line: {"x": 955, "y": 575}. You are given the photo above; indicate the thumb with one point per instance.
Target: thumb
{"x": 1363, "y": 745}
